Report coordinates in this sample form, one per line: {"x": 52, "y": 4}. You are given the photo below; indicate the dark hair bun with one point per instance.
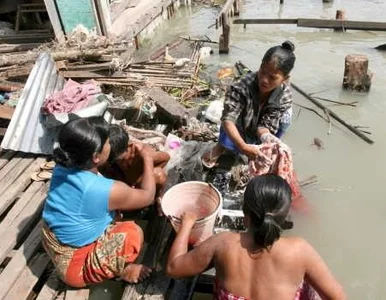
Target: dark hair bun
{"x": 288, "y": 45}
{"x": 61, "y": 157}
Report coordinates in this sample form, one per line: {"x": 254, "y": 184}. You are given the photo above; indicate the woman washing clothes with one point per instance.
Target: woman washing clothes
{"x": 258, "y": 263}
{"x": 80, "y": 233}
{"x": 257, "y": 109}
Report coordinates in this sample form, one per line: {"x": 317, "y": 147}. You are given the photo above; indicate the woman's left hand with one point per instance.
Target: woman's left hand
{"x": 269, "y": 138}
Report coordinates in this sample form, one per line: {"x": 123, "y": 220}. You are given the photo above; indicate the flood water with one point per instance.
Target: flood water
{"x": 347, "y": 220}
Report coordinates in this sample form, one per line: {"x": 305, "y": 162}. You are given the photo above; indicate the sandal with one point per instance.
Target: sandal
{"x": 41, "y": 176}
{"x": 48, "y": 165}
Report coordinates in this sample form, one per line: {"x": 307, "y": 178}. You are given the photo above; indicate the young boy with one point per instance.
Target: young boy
{"x": 125, "y": 163}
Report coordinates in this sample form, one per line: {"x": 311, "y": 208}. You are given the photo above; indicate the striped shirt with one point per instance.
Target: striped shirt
{"x": 242, "y": 106}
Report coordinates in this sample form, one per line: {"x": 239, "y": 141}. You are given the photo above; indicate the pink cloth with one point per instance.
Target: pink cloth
{"x": 282, "y": 165}
{"x": 72, "y": 98}
{"x": 304, "y": 292}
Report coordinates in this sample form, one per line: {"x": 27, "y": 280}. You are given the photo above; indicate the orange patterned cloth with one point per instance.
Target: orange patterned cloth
{"x": 105, "y": 258}
{"x": 282, "y": 165}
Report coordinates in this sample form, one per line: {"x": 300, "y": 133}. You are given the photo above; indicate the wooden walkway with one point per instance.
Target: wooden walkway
{"x": 26, "y": 271}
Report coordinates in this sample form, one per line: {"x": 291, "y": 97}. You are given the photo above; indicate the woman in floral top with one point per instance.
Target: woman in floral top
{"x": 258, "y": 108}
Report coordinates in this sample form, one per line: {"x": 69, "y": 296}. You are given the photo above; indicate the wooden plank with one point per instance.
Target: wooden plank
{"x": 84, "y": 74}
{"x": 18, "y": 47}
{"x": 21, "y": 224}
{"x": 4, "y": 159}
{"x": 3, "y": 131}
{"x": 7, "y": 86}
{"x": 11, "y": 177}
{"x": 167, "y": 104}
{"x": 10, "y": 165}
{"x": 265, "y": 21}
{"x": 50, "y": 288}
{"x": 319, "y": 23}
{"x": 339, "y": 24}
{"x": 29, "y": 277}
{"x": 104, "y": 17}
{"x": 90, "y": 67}
{"x": 6, "y": 112}
{"x": 183, "y": 289}
{"x": 156, "y": 286}
{"x": 79, "y": 294}
{"x": 33, "y": 189}
{"x": 20, "y": 184}
{"x": 19, "y": 261}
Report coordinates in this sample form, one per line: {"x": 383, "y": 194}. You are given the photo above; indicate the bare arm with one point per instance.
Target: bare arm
{"x": 234, "y": 134}
{"x": 160, "y": 159}
{"x": 124, "y": 197}
{"x": 182, "y": 263}
{"x": 319, "y": 276}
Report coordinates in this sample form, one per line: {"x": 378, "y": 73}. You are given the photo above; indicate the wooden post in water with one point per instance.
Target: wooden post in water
{"x": 236, "y": 7}
{"x": 224, "y": 37}
{"x": 341, "y": 16}
{"x": 356, "y": 76}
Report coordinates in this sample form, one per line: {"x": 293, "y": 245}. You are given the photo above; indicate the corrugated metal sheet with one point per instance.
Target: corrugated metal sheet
{"x": 26, "y": 131}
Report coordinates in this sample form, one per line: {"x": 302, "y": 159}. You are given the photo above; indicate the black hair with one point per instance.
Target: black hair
{"x": 78, "y": 140}
{"x": 267, "y": 200}
{"x": 119, "y": 139}
{"x": 283, "y": 56}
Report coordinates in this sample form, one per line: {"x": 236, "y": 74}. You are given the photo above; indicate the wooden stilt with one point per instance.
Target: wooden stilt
{"x": 236, "y": 7}
{"x": 136, "y": 42}
{"x": 356, "y": 74}
{"x": 341, "y": 16}
{"x": 224, "y": 37}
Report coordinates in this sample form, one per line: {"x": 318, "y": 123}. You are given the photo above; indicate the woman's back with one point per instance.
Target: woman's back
{"x": 274, "y": 274}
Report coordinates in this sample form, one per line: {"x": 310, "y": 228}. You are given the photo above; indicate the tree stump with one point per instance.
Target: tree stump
{"x": 356, "y": 76}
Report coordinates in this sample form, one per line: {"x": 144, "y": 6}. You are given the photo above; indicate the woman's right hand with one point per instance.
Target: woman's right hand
{"x": 188, "y": 218}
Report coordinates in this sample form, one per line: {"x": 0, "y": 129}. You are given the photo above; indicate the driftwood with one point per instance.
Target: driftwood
{"x": 353, "y": 104}
{"x": 333, "y": 115}
{"x": 207, "y": 40}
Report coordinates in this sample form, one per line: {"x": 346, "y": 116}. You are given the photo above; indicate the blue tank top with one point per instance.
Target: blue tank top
{"x": 76, "y": 209}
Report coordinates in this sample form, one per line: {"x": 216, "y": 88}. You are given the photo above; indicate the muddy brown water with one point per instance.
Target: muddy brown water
{"x": 346, "y": 222}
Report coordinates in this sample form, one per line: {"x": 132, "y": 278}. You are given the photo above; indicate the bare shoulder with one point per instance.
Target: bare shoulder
{"x": 295, "y": 246}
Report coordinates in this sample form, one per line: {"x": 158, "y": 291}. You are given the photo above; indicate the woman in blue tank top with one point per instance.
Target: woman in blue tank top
{"x": 80, "y": 234}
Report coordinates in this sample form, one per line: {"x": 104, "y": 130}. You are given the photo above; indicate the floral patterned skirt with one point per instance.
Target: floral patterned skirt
{"x": 105, "y": 258}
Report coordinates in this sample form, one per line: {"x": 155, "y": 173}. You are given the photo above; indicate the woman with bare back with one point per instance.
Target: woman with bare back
{"x": 258, "y": 263}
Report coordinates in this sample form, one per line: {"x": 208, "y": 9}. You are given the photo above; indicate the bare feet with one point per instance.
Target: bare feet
{"x": 135, "y": 273}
